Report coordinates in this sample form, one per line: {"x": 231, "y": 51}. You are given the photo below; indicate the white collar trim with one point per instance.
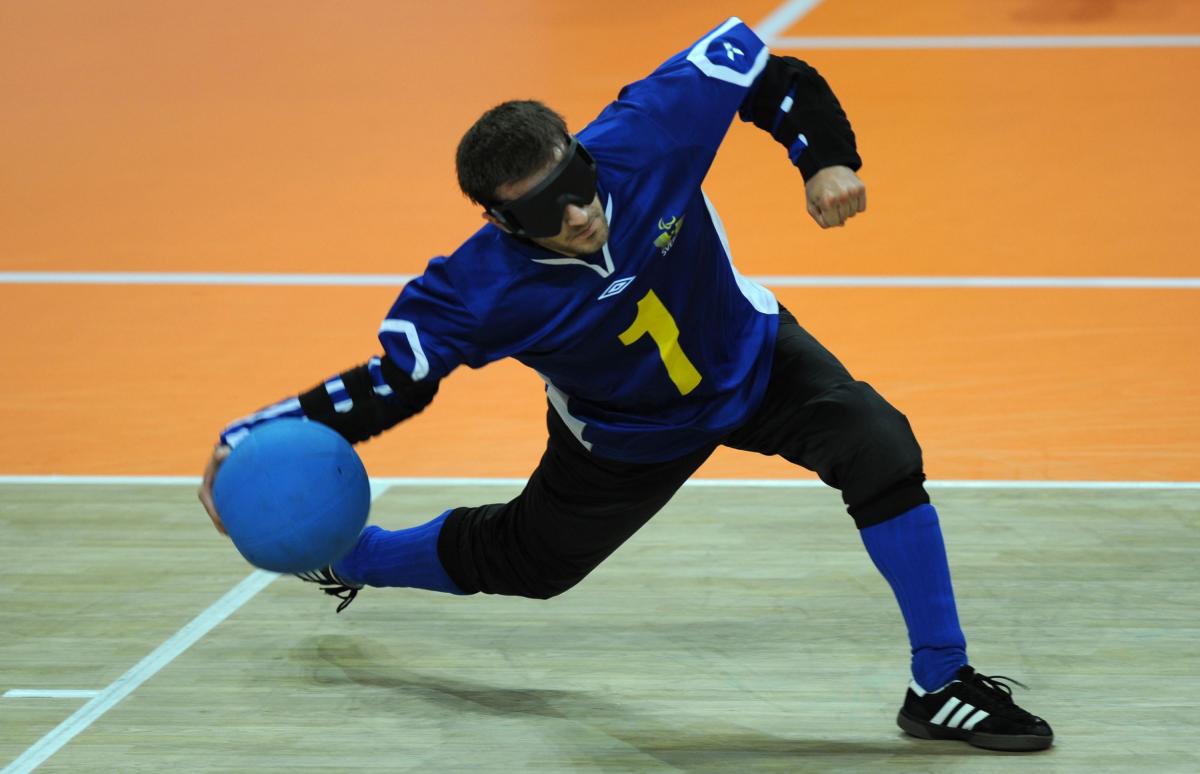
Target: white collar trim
{"x": 605, "y": 270}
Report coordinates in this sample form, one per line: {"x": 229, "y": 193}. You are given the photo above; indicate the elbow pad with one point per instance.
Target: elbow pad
{"x": 365, "y": 401}
{"x": 792, "y": 102}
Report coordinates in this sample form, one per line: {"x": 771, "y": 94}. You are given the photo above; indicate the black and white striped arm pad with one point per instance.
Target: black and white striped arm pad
{"x": 358, "y": 404}
{"x": 792, "y": 102}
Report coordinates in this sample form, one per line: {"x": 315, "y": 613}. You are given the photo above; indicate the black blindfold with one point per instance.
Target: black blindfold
{"x": 539, "y": 213}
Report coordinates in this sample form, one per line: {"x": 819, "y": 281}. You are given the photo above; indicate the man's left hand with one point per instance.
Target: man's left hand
{"x": 835, "y": 194}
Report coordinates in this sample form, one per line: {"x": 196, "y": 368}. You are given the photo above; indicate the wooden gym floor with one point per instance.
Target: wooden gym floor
{"x": 744, "y": 629}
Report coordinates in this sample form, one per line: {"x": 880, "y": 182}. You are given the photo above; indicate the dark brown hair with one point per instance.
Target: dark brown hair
{"x": 509, "y": 142}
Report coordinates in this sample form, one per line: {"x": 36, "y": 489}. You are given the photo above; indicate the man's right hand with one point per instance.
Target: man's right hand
{"x": 835, "y": 194}
{"x": 206, "y": 486}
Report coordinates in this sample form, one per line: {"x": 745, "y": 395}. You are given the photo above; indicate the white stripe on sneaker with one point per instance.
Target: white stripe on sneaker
{"x": 978, "y": 716}
{"x": 956, "y": 720}
{"x": 946, "y": 709}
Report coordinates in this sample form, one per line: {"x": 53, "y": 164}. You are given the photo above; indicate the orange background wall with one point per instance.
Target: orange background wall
{"x": 318, "y": 137}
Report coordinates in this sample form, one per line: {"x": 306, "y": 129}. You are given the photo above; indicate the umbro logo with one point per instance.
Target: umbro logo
{"x": 732, "y": 51}
{"x": 617, "y": 287}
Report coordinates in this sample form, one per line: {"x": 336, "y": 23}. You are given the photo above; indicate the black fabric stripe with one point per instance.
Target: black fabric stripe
{"x": 370, "y": 413}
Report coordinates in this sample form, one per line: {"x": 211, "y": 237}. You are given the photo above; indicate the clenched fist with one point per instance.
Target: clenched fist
{"x": 835, "y": 194}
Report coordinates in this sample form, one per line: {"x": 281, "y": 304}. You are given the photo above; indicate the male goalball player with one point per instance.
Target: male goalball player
{"x": 605, "y": 268}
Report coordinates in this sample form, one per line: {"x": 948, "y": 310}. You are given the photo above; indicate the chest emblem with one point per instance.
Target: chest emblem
{"x": 670, "y": 231}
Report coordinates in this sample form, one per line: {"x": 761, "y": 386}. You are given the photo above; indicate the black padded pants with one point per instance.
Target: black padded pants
{"x": 578, "y": 508}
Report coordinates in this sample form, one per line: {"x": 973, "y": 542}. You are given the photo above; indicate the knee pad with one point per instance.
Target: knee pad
{"x": 881, "y": 472}
{"x": 873, "y": 423}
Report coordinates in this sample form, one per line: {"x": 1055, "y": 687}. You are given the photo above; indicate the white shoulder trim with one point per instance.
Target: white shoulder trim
{"x": 420, "y": 362}
{"x": 699, "y": 57}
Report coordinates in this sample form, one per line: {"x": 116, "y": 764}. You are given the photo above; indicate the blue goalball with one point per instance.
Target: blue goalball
{"x": 293, "y": 496}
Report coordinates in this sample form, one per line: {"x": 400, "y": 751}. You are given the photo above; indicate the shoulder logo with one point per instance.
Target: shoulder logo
{"x": 730, "y": 53}
{"x": 670, "y": 231}
{"x": 617, "y": 287}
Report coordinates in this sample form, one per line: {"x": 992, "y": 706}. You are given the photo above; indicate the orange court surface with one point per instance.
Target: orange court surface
{"x": 207, "y": 207}
{"x": 283, "y": 138}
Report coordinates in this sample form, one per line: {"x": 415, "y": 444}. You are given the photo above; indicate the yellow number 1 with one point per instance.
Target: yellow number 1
{"x": 654, "y": 319}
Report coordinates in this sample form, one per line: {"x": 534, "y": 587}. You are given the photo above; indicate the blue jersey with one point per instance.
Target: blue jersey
{"x": 651, "y": 348}
{"x": 656, "y": 345}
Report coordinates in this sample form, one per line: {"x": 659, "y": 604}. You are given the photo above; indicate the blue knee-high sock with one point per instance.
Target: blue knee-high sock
{"x": 406, "y": 557}
{"x": 909, "y": 552}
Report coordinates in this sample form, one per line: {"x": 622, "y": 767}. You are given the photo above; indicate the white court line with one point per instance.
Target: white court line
{"x": 780, "y": 280}
{"x": 50, "y": 693}
{"x": 1116, "y": 283}
{"x": 782, "y": 18}
{"x": 148, "y": 666}
{"x": 771, "y": 483}
{"x": 140, "y": 673}
{"x": 882, "y": 42}
{"x": 196, "y": 278}
{"x": 387, "y": 482}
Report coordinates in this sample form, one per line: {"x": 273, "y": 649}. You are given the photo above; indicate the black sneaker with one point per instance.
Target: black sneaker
{"x": 976, "y": 709}
{"x": 332, "y": 585}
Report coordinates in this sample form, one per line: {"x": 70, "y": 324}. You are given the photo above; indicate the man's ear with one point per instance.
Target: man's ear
{"x": 490, "y": 218}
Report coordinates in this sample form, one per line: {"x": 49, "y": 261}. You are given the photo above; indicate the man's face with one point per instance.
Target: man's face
{"x": 584, "y": 228}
